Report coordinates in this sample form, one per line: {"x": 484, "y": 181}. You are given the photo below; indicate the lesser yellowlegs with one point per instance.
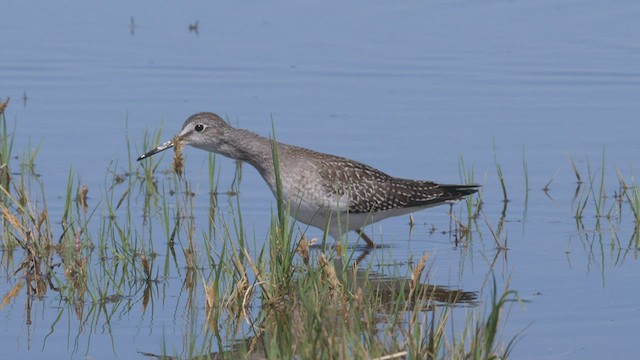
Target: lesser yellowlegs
{"x": 322, "y": 190}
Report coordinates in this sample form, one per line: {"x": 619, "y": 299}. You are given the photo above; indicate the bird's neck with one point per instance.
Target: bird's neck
{"x": 249, "y": 147}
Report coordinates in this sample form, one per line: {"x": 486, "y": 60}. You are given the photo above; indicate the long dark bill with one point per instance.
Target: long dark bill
{"x": 163, "y": 147}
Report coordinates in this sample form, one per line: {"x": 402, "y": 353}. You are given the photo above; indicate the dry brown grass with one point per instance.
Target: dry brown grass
{"x": 178, "y": 159}
{"x": 3, "y": 105}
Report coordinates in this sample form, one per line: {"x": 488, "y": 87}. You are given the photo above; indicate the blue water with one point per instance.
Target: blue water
{"x": 406, "y": 87}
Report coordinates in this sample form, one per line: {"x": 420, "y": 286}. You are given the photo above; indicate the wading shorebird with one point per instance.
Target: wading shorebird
{"x": 318, "y": 187}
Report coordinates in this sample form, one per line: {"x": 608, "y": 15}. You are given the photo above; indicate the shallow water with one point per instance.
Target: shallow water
{"x": 407, "y": 88}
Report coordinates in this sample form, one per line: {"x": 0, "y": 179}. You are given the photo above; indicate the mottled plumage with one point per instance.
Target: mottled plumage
{"x": 318, "y": 186}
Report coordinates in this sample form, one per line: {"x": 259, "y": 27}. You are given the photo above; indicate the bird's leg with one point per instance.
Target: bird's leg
{"x": 364, "y": 237}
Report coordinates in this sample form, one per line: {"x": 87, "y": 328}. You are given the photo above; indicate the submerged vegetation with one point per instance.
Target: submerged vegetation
{"x": 283, "y": 297}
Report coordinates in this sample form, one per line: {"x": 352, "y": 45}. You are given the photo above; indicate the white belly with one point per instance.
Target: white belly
{"x": 339, "y": 221}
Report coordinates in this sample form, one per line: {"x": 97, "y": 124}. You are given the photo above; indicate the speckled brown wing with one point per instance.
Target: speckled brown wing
{"x": 370, "y": 190}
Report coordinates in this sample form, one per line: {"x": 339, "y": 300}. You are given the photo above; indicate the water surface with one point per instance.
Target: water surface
{"x": 408, "y": 88}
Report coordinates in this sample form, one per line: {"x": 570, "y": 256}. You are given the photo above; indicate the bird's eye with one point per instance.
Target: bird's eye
{"x": 199, "y": 127}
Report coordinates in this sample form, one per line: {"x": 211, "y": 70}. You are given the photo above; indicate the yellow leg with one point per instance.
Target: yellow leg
{"x": 364, "y": 237}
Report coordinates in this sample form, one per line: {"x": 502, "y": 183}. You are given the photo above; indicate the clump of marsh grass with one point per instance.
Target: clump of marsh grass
{"x": 6, "y": 148}
{"x": 600, "y": 197}
{"x": 150, "y": 165}
{"x": 338, "y": 311}
{"x": 594, "y": 193}
{"x": 462, "y": 232}
{"x": 29, "y": 158}
{"x": 630, "y": 193}
{"x": 496, "y": 234}
{"x": 62, "y": 263}
{"x": 28, "y": 228}
{"x": 81, "y": 197}
{"x": 482, "y": 334}
{"x": 467, "y": 176}
{"x": 503, "y": 185}
{"x": 576, "y": 172}
{"x": 3, "y": 106}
